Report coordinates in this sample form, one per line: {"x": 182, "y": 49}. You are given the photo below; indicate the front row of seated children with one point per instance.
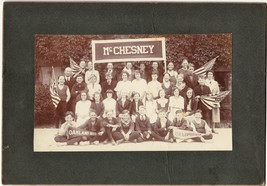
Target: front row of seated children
{"x": 123, "y": 129}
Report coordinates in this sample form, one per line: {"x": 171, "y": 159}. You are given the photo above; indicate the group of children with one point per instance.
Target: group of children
{"x": 124, "y": 129}
{"x": 116, "y": 100}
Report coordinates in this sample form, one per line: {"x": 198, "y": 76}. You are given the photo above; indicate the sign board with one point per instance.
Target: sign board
{"x": 121, "y": 50}
{"x": 185, "y": 134}
{"x": 76, "y": 132}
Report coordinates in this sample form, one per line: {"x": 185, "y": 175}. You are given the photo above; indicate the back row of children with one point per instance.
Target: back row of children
{"x": 123, "y": 129}
{"x": 176, "y": 90}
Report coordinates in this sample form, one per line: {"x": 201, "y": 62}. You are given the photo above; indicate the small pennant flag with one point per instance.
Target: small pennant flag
{"x": 207, "y": 66}
{"x": 76, "y": 69}
{"x": 53, "y": 89}
{"x": 212, "y": 101}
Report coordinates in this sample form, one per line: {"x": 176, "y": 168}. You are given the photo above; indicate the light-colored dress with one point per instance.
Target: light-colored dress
{"x": 82, "y": 111}
{"x": 151, "y": 107}
{"x": 214, "y": 88}
{"x": 109, "y": 104}
{"x": 93, "y": 88}
{"x": 124, "y": 86}
{"x": 154, "y": 87}
{"x": 175, "y": 103}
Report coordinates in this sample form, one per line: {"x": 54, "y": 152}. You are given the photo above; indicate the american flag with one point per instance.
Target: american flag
{"x": 212, "y": 101}
{"x": 76, "y": 69}
{"x": 53, "y": 89}
{"x": 207, "y": 66}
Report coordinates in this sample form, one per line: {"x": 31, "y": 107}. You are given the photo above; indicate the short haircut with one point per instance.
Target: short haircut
{"x": 137, "y": 72}
{"x": 209, "y": 71}
{"x": 125, "y": 112}
{"x": 179, "y": 111}
{"x": 155, "y": 72}
{"x": 191, "y": 65}
{"x": 79, "y": 75}
{"x": 142, "y": 107}
{"x": 198, "y": 111}
{"x": 125, "y": 72}
{"x": 92, "y": 111}
{"x": 109, "y": 91}
{"x": 109, "y": 110}
{"x": 162, "y": 110}
{"x": 201, "y": 76}
{"x": 69, "y": 113}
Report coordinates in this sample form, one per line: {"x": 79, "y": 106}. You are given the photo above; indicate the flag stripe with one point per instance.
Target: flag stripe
{"x": 211, "y": 101}
{"x": 207, "y": 66}
{"x": 53, "y": 93}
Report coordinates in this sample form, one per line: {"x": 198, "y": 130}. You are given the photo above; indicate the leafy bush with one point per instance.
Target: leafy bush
{"x": 44, "y": 110}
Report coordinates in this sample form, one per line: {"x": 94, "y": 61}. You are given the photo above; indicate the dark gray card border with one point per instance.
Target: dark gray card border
{"x": 244, "y": 165}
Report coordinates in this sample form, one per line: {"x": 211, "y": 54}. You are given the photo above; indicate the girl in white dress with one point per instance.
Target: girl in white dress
{"x": 82, "y": 109}
{"x": 151, "y": 107}
{"x": 109, "y": 104}
{"x": 125, "y": 85}
{"x": 176, "y": 102}
{"x": 93, "y": 87}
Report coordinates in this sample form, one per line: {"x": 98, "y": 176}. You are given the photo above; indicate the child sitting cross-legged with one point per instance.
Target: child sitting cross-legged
{"x": 125, "y": 131}
{"x": 62, "y": 136}
{"x": 201, "y": 126}
{"x": 162, "y": 127}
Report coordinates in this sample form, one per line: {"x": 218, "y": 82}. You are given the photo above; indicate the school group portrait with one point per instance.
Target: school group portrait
{"x": 125, "y": 99}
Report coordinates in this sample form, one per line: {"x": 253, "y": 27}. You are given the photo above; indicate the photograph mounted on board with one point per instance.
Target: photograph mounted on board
{"x": 133, "y": 92}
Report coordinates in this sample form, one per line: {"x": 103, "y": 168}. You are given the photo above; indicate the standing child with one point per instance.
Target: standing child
{"x": 173, "y": 74}
{"x": 176, "y": 102}
{"x": 64, "y": 95}
{"x": 162, "y": 102}
{"x": 154, "y": 86}
{"x": 109, "y": 103}
{"x": 151, "y": 107}
{"x": 82, "y": 109}
{"x": 139, "y": 85}
{"x": 167, "y": 85}
{"x": 62, "y": 136}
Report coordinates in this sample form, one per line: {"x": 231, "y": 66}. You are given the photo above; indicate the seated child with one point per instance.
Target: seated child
{"x": 109, "y": 103}
{"x": 94, "y": 126}
{"x": 136, "y": 103}
{"x": 144, "y": 128}
{"x": 82, "y": 109}
{"x": 111, "y": 124}
{"x": 122, "y": 104}
{"x": 62, "y": 136}
{"x": 162, "y": 127}
{"x": 126, "y": 130}
{"x": 201, "y": 126}
{"x": 98, "y": 105}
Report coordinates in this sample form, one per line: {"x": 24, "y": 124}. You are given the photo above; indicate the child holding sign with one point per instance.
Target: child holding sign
{"x": 201, "y": 126}
{"x": 63, "y": 136}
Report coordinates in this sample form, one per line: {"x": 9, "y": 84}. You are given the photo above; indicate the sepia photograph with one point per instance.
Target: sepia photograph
{"x": 133, "y": 92}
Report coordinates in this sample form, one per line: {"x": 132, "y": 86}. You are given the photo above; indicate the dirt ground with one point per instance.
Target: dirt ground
{"x": 44, "y": 141}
